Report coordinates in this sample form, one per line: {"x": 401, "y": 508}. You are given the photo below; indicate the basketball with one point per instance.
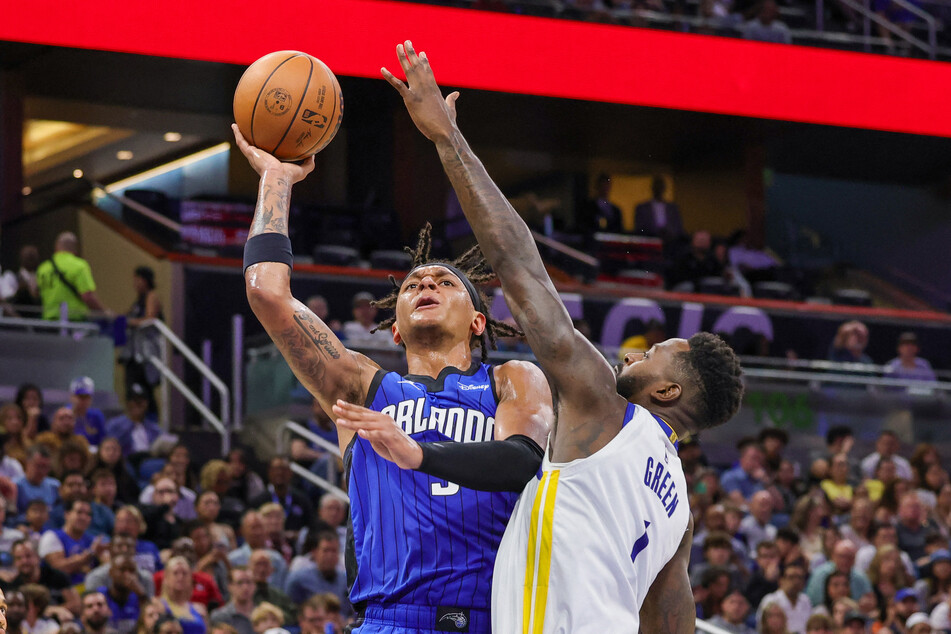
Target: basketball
{"x": 289, "y": 104}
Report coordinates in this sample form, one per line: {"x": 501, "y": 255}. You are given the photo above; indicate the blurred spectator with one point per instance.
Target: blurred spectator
{"x": 941, "y": 513}
{"x": 36, "y": 483}
{"x": 273, "y": 516}
{"x": 104, "y": 490}
{"x": 600, "y": 214}
{"x": 718, "y": 554}
{"x": 840, "y": 440}
{"x": 208, "y": 508}
{"x": 90, "y": 421}
{"x": 790, "y": 598}
{"x": 266, "y": 616}
{"x": 733, "y": 612}
{"x": 204, "y": 590}
{"x": 295, "y": 503}
{"x": 747, "y": 477}
{"x": 16, "y": 612}
{"x": 143, "y": 343}
{"x": 66, "y": 277}
{"x": 30, "y": 569}
{"x": 754, "y": 264}
{"x": 714, "y": 520}
{"x": 820, "y": 624}
{"x": 149, "y": 615}
{"x": 766, "y": 572}
{"x": 859, "y": 528}
{"x": 8, "y": 537}
{"x": 918, "y": 623}
{"x": 134, "y": 431}
{"x": 849, "y": 344}
{"x": 882, "y": 534}
{"x": 176, "y": 592}
{"x": 888, "y": 575}
{"x": 785, "y": 489}
{"x": 695, "y": 264}
{"x": 843, "y": 562}
{"x": 318, "y": 305}
{"x": 773, "y": 620}
{"x": 62, "y": 429}
{"x": 245, "y": 483}
{"x": 324, "y": 576}
{"x": 71, "y": 456}
{"x": 237, "y": 612}
{"x": 72, "y": 549}
{"x": 124, "y": 594}
{"x": 130, "y": 524}
{"x": 935, "y": 586}
{"x": 332, "y": 512}
{"x": 773, "y": 442}
{"x": 215, "y": 477}
{"x": 162, "y": 522}
{"x": 255, "y": 538}
{"x": 913, "y": 527}
{"x": 265, "y": 591}
{"x": 30, "y": 398}
{"x": 766, "y": 26}
{"x": 186, "y": 474}
{"x": 835, "y": 586}
{"x": 837, "y": 488}
{"x": 319, "y": 612}
{"x": 933, "y": 479}
{"x": 357, "y": 331}
{"x": 756, "y": 526}
{"x": 311, "y": 455}
{"x": 658, "y": 218}
{"x": 26, "y": 291}
{"x": 35, "y": 521}
{"x": 209, "y": 558}
{"x": 13, "y": 449}
{"x": 709, "y": 593}
{"x": 110, "y": 458}
{"x": 123, "y": 546}
{"x": 900, "y": 609}
{"x": 96, "y": 615}
{"x": 184, "y": 505}
{"x": 37, "y": 599}
{"x": 74, "y": 488}
{"x": 167, "y": 624}
{"x": 908, "y": 365}
{"x": 887, "y": 446}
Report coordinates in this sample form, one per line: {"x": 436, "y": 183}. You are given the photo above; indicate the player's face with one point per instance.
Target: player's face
{"x": 432, "y": 298}
{"x": 641, "y": 372}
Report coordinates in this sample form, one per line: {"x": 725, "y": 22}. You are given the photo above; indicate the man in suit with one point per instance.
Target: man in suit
{"x": 658, "y": 218}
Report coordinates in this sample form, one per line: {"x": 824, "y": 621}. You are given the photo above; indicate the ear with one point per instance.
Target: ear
{"x": 666, "y": 393}
{"x": 397, "y": 339}
{"x": 478, "y": 324}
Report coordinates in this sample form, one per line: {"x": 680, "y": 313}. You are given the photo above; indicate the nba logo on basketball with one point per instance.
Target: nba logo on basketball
{"x": 277, "y": 101}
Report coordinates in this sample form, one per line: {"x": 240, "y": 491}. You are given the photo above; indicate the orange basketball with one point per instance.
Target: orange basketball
{"x": 289, "y": 104}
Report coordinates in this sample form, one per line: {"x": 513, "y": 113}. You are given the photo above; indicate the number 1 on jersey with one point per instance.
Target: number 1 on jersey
{"x": 450, "y": 488}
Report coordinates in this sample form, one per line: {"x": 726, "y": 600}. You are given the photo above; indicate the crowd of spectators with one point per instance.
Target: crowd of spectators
{"x": 109, "y": 526}
{"x": 844, "y": 543}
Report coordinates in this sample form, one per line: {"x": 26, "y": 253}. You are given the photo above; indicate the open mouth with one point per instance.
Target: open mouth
{"x": 426, "y": 302}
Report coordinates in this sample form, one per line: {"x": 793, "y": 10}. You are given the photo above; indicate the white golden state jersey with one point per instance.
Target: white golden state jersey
{"x": 587, "y": 538}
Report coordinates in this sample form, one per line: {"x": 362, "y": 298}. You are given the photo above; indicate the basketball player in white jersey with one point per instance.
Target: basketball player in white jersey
{"x": 600, "y": 540}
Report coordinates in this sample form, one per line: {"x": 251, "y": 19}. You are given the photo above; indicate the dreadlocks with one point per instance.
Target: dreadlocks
{"x": 472, "y": 264}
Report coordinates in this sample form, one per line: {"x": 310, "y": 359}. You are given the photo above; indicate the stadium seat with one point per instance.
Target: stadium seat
{"x": 717, "y": 286}
{"x": 391, "y": 259}
{"x": 336, "y": 255}
{"x": 851, "y": 297}
{"x": 773, "y": 290}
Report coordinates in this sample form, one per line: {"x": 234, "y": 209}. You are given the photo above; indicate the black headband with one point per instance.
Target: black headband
{"x": 470, "y": 287}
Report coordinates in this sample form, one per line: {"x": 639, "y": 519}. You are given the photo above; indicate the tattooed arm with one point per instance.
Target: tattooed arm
{"x": 589, "y": 410}
{"x": 327, "y": 369}
{"x": 668, "y": 607}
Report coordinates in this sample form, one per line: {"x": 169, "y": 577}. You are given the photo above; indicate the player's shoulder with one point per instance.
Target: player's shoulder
{"x": 517, "y": 369}
{"x": 520, "y": 378}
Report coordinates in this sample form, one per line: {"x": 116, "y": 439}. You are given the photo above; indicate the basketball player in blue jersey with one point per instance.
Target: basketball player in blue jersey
{"x": 422, "y": 547}
{"x": 600, "y": 539}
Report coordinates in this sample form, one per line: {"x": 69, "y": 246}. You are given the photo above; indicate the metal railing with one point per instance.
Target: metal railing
{"x": 220, "y": 424}
{"x": 139, "y": 208}
{"x": 290, "y": 427}
{"x": 65, "y": 326}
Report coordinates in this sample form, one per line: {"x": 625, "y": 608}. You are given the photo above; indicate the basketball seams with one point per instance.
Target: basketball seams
{"x": 254, "y": 109}
{"x": 300, "y": 102}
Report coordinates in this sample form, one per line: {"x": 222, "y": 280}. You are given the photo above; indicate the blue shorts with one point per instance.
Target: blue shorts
{"x": 422, "y": 619}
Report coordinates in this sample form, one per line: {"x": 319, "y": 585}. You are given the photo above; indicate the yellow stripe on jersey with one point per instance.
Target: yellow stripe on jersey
{"x": 539, "y": 555}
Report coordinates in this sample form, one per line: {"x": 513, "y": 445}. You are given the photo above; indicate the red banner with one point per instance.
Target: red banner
{"x": 519, "y": 54}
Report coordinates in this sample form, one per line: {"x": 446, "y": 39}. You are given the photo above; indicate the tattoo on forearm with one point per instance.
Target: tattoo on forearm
{"x": 271, "y": 213}
{"x": 318, "y": 337}
{"x": 300, "y": 356}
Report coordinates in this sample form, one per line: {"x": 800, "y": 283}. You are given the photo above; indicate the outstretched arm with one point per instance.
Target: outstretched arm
{"x": 321, "y": 363}
{"x": 579, "y": 374}
{"x": 668, "y": 607}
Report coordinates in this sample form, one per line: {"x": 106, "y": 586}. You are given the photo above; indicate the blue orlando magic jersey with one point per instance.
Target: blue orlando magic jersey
{"x": 417, "y": 539}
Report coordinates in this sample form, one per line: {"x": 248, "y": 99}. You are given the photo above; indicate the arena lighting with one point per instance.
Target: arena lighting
{"x": 124, "y": 155}
{"x": 135, "y": 179}
{"x": 172, "y": 137}
{"x": 520, "y": 54}
{"x": 77, "y": 173}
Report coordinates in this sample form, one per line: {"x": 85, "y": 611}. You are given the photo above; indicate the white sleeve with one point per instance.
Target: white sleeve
{"x": 49, "y": 544}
